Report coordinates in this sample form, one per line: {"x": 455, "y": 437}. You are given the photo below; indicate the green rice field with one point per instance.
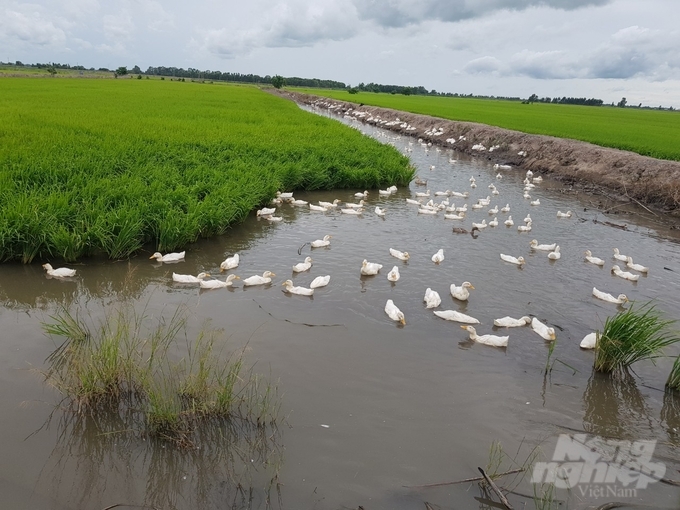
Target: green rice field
{"x": 654, "y": 133}
{"x": 107, "y": 166}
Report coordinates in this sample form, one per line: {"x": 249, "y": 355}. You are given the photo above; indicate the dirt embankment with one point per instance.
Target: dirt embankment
{"x": 652, "y": 182}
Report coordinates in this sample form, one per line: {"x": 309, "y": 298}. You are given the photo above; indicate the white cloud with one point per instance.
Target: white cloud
{"x": 628, "y": 53}
{"x": 400, "y": 13}
{"x": 30, "y": 27}
{"x": 287, "y": 25}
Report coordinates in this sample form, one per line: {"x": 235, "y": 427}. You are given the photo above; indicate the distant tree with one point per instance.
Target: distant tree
{"x": 352, "y": 90}
{"x": 278, "y": 81}
{"x": 532, "y": 98}
{"x": 406, "y": 91}
{"x": 121, "y": 71}
{"x": 18, "y": 63}
{"x": 139, "y": 76}
{"x": 51, "y": 70}
{"x": 136, "y": 70}
{"x": 622, "y": 103}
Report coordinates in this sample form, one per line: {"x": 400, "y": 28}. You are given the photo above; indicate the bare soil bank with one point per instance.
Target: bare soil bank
{"x": 652, "y": 182}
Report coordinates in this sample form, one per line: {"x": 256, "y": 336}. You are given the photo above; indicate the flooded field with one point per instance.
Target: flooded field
{"x": 368, "y": 406}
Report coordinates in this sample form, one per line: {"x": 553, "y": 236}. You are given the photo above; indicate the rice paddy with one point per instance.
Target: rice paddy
{"x": 108, "y": 166}
{"x": 648, "y": 132}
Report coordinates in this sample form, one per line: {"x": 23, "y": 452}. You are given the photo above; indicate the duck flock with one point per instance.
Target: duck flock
{"x": 437, "y": 203}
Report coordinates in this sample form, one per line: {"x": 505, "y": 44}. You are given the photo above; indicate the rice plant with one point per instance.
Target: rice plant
{"x": 121, "y": 363}
{"x": 107, "y": 166}
{"x": 633, "y": 335}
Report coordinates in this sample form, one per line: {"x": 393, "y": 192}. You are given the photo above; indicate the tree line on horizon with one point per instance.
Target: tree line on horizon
{"x": 294, "y": 81}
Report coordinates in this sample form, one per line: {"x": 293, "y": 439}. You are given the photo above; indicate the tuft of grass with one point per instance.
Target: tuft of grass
{"x": 633, "y": 335}
{"x": 121, "y": 363}
{"x": 673, "y": 381}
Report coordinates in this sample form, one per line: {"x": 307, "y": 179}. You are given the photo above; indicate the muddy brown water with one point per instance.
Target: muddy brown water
{"x": 369, "y": 406}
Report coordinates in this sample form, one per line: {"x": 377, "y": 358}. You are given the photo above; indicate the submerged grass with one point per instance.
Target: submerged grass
{"x": 90, "y": 166}
{"x": 633, "y": 335}
{"x": 647, "y": 132}
{"x": 124, "y": 362}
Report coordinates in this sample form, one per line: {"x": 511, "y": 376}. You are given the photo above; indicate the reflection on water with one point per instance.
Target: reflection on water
{"x": 97, "y": 460}
{"x": 614, "y": 407}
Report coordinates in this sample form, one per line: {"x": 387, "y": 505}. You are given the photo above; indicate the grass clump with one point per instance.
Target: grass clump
{"x": 633, "y": 335}
{"x": 134, "y": 364}
{"x": 673, "y": 381}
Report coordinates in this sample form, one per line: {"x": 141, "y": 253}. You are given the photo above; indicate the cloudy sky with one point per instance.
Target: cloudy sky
{"x": 595, "y": 48}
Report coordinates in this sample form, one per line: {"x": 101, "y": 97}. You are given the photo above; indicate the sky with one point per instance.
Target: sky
{"x": 607, "y": 49}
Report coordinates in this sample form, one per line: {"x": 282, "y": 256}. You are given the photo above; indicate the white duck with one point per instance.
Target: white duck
{"x": 625, "y": 274}
{"x": 351, "y": 205}
{"x": 380, "y": 212}
{"x": 493, "y": 222}
{"x": 494, "y": 210}
{"x": 509, "y": 322}
{"x": 609, "y": 298}
{"x": 636, "y": 267}
{"x": 401, "y": 255}
{"x": 370, "y": 268}
{"x": 393, "y": 312}
{"x": 513, "y": 260}
{"x": 303, "y": 266}
{"x": 318, "y": 208}
{"x": 462, "y": 209}
{"x": 528, "y": 219}
{"x": 555, "y": 255}
{"x": 292, "y": 289}
{"x": 273, "y": 218}
{"x": 432, "y": 298}
{"x": 465, "y": 194}
{"x": 524, "y": 228}
{"x": 218, "y": 284}
{"x": 452, "y": 216}
{"x": 188, "y": 278}
{"x": 394, "y": 275}
{"x": 561, "y": 214}
{"x": 439, "y": 256}
{"x": 320, "y": 243}
{"x": 619, "y": 256}
{"x": 230, "y": 263}
{"x": 543, "y": 330}
{"x": 61, "y": 272}
{"x": 361, "y": 195}
{"x": 509, "y": 222}
{"x": 168, "y": 257}
{"x": 384, "y": 192}
{"x": 506, "y": 209}
{"x": 266, "y": 211}
{"x": 432, "y": 212}
{"x": 413, "y": 202}
{"x": 329, "y": 205}
{"x": 424, "y": 195}
{"x": 284, "y": 195}
{"x": 320, "y": 281}
{"x": 493, "y": 340}
{"x": 259, "y": 280}
{"x": 299, "y": 202}
{"x": 544, "y": 247}
{"x": 461, "y": 292}
{"x": 452, "y": 315}
{"x": 589, "y": 341}
{"x": 481, "y": 225}
{"x": 593, "y": 260}
{"x": 355, "y": 212}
